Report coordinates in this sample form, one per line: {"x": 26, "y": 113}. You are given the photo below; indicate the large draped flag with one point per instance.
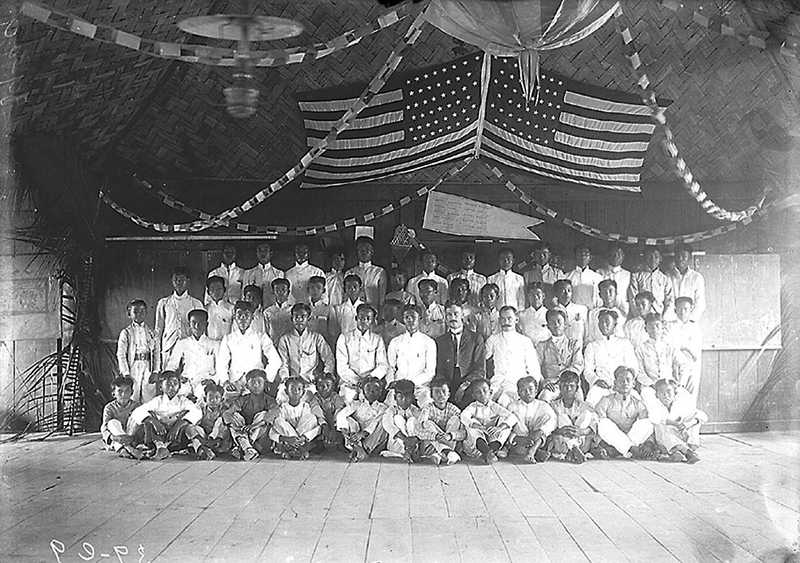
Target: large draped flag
{"x": 574, "y": 132}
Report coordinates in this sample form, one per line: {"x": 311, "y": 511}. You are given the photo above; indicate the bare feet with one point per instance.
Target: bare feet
{"x": 577, "y": 455}
{"x": 161, "y": 453}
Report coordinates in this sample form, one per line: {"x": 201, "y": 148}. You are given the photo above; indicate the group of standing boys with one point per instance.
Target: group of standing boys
{"x": 548, "y": 363}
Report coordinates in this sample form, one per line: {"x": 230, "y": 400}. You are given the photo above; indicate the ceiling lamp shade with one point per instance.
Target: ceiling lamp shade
{"x": 520, "y": 28}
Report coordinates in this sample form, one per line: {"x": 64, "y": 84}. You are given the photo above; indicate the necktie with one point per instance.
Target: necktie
{"x": 455, "y": 350}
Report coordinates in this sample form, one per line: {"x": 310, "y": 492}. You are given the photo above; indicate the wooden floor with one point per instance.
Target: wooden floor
{"x": 739, "y": 504}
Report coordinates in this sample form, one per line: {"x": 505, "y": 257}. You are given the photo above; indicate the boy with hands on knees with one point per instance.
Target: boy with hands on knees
{"x": 440, "y": 427}
{"x": 487, "y": 423}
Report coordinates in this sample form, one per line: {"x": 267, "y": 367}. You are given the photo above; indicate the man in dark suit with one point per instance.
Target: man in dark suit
{"x": 460, "y": 355}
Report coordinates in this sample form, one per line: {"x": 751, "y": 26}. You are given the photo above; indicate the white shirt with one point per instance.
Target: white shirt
{"x": 603, "y": 356}
{"x": 164, "y": 407}
{"x": 441, "y": 285}
{"x": 533, "y": 323}
{"x": 199, "y": 357}
{"x": 412, "y": 356}
{"x": 298, "y": 276}
{"x": 278, "y": 318}
{"x": 584, "y": 286}
{"x": 334, "y": 287}
{"x": 623, "y": 279}
{"x": 262, "y": 276}
{"x": 536, "y": 415}
{"x": 593, "y": 323}
{"x": 432, "y": 321}
{"x": 233, "y": 276}
{"x": 657, "y": 283}
{"x": 476, "y": 282}
{"x": 691, "y": 284}
{"x": 686, "y": 337}
{"x": 360, "y": 355}
{"x": 239, "y": 353}
{"x": 373, "y": 282}
{"x": 548, "y": 274}
{"x": 220, "y": 317}
{"x": 512, "y": 289}
{"x": 514, "y": 357}
{"x": 344, "y": 316}
{"x": 172, "y": 322}
{"x": 681, "y": 409}
{"x": 576, "y": 320}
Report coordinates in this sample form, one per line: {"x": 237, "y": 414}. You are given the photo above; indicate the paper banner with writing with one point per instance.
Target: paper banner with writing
{"x": 456, "y": 215}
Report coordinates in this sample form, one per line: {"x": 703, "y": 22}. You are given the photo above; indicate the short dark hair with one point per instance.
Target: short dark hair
{"x": 316, "y": 279}
{"x": 551, "y": 313}
{"x": 411, "y": 307}
{"x": 522, "y": 381}
{"x": 490, "y": 287}
{"x": 251, "y": 289}
{"x": 475, "y": 384}
{"x": 294, "y": 379}
{"x": 213, "y": 386}
{"x": 607, "y": 313}
{"x": 404, "y": 387}
{"x": 122, "y": 381}
{"x": 508, "y": 308}
{"x": 426, "y": 282}
{"x": 197, "y": 313}
{"x": 280, "y": 281}
{"x": 253, "y": 373}
{"x": 297, "y": 307}
{"x": 604, "y": 283}
{"x": 134, "y": 303}
{"x": 438, "y": 383}
{"x": 215, "y": 279}
{"x": 366, "y": 307}
{"x": 243, "y": 306}
{"x": 180, "y": 271}
{"x": 560, "y": 283}
{"x": 645, "y": 295}
{"x": 568, "y": 376}
{"x": 685, "y": 299}
{"x": 353, "y": 278}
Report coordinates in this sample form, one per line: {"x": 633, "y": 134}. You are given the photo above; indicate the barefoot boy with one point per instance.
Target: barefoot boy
{"x": 576, "y": 421}
{"x": 138, "y": 352}
{"x": 115, "y": 418}
{"x": 249, "y": 418}
{"x": 295, "y": 430}
{"x": 400, "y": 421}
{"x": 360, "y": 422}
{"x": 622, "y": 417}
{"x": 440, "y": 427}
{"x": 535, "y": 420}
{"x": 326, "y": 403}
{"x": 488, "y": 424}
{"x": 676, "y": 422}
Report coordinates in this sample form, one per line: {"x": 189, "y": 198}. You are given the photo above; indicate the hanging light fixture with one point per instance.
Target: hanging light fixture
{"x": 241, "y": 97}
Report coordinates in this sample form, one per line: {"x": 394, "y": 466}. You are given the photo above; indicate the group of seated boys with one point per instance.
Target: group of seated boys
{"x": 474, "y": 372}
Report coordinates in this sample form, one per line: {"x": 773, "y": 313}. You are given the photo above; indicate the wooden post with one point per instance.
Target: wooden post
{"x": 59, "y": 386}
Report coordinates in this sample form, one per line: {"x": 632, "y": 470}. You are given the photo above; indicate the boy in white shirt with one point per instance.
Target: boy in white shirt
{"x": 168, "y": 421}
{"x": 658, "y": 359}
{"x": 295, "y": 430}
{"x": 634, "y": 328}
{"x": 373, "y": 278}
{"x": 615, "y": 271}
{"x": 172, "y": 313}
{"x": 278, "y": 316}
{"x": 262, "y": 274}
{"x": 334, "y": 280}
{"x": 584, "y": 280}
{"x": 608, "y": 297}
{"x": 361, "y": 422}
{"x": 576, "y": 422}
{"x": 509, "y": 356}
{"x": 605, "y": 355}
{"x": 510, "y": 285}
{"x": 401, "y": 421}
{"x": 412, "y": 356}
{"x": 576, "y": 313}
{"x": 688, "y": 282}
{"x": 138, "y": 354}
{"x": 432, "y": 317}
{"x": 488, "y": 315}
{"x": 533, "y": 319}
{"x": 542, "y": 270}
{"x": 475, "y": 280}
{"x": 622, "y": 419}
{"x": 252, "y": 294}
{"x": 304, "y": 353}
{"x": 230, "y": 272}
{"x": 344, "y": 315}
{"x": 440, "y": 427}
{"x": 429, "y": 264}
{"x": 321, "y": 313}
{"x": 360, "y": 353}
{"x": 220, "y": 310}
{"x": 676, "y": 423}
{"x": 244, "y": 349}
{"x": 557, "y": 354}
{"x": 651, "y": 278}
{"x": 535, "y": 420}
{"x": 397, "y": 288}
{"x": 194, "y": 357}
{"x": 488, "y": 424}
{"x": 299, "y": 274}
{"x": 685, "y": 336}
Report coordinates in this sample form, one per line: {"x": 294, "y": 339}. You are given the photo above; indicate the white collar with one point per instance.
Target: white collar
{"x": 366, "y": 264}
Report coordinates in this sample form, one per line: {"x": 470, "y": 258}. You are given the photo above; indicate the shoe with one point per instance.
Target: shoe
{"x": 452, "y": 457}
{"x": 236, "y": 453}
{"x": 436, "y": 458}
{"x": 502, "y": 453}
{"x": 250, "y": 454}
{"x": 577, "y": 456}
{"x": 541, "y": 455}
{"x": 599, "y": 453}
{"x": 691, "y": 457}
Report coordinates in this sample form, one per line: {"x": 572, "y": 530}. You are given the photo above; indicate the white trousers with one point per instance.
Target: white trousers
{"x": 611, "y": 434}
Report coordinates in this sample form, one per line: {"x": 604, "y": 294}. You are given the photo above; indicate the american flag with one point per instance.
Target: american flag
{"x": 574, "y": 133}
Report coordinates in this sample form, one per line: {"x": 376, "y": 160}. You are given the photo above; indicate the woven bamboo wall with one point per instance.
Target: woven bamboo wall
{"x": 166, "y": 118}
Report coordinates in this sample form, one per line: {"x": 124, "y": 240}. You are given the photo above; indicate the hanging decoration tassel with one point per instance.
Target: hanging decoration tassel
{"x": 528, "y": 63}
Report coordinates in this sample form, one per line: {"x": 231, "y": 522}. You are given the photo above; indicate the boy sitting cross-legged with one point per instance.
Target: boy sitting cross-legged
{"x": 488, "y": 424}
{"x": 295, "y": 430}
{"x": 360, "y": 422}
{"x": 440, "y": 427}
{"x": 326, "y": 403}
{"x": 535, "y": 421}
{"x": 169, "y": 421}
{"x": 115, "y": 418}
{"x": 249, "y": 418}
{"x": 622, "y": 419}
{"x": 212, "y": 427}
{"x": 575, "y": 421}
{"x": 400, "y": 422}
{"x": 676, "y": 422}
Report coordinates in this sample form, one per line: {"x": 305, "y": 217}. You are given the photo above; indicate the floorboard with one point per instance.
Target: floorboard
{"x": 740, "y": 503}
